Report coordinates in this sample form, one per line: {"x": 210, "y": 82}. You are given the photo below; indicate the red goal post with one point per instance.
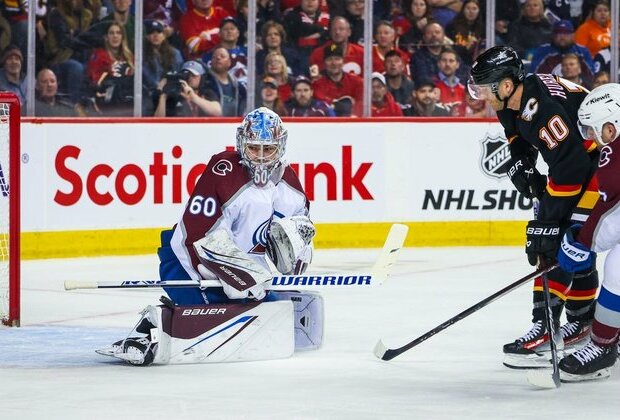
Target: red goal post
{"x": 9, "y": 209}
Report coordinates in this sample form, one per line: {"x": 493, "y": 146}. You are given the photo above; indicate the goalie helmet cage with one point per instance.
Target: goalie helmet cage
{"x": 9, "y": 209}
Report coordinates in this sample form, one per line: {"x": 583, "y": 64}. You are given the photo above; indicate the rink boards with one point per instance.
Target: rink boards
{"x": 108, "y": 187}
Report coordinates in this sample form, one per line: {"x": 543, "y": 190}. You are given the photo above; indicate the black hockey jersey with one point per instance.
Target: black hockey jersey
{"x": 547, "y": 123}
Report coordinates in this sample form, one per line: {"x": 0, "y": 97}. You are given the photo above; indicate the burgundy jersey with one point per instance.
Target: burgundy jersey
{"x": 226, "y": 198}
{"x": 602, "y": 229}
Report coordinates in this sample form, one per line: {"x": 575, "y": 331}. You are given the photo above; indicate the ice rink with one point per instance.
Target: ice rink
{"x": 49, "y": 370}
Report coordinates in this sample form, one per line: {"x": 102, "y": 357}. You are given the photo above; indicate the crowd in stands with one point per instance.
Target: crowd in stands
{"x": 309, "y": 54}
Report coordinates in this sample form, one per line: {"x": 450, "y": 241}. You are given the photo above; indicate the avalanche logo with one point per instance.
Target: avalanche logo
{"x": 495, "y": 157}
{"x": 259, "y": 238}
{"x": 4, "y": 185}
{"x": 221, "y": 167}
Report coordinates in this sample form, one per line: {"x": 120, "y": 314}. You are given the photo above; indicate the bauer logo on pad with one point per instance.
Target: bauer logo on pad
{"x": 495, "y": 157}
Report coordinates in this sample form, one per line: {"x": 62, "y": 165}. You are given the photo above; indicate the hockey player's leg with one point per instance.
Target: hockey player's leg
{"x": 308, "y": 316}
{"x": 210, "y": 333}
{"x": 531, "y": 350}
{"x": 580, "y": 303}
{"x": 596, "y": 359}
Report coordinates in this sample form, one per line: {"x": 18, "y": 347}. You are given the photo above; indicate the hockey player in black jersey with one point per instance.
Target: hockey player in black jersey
{"x": 539, "y": 116}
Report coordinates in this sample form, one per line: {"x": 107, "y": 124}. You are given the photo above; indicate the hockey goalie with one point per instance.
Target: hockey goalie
{"x": 247, "y": 205}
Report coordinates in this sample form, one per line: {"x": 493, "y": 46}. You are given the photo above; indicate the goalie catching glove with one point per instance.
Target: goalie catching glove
{"x": 526, "y": 178}
{"x": 574, "y": 256}
{"x": 543, "y": 240}
{"x": 220, "y": 258}
{"x": 289, "y": 244}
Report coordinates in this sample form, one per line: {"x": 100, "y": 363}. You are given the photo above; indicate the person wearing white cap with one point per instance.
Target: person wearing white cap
{"x": 383, "y": 103}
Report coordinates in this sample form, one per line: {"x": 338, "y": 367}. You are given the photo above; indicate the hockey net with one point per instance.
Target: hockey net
{"x": 9, "y": 209}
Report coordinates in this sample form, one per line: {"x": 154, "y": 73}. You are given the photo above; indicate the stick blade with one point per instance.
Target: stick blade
{"x": 543, "y": 378}
{"x": 383, "y": 353}
{"x": 391, "y": 248}
{"x": 80, "y": 284}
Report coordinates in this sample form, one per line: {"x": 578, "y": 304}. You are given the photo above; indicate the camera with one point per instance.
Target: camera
{"x": 173, "y": 85}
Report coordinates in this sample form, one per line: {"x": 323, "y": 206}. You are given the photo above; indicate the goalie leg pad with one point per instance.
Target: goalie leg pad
{"x": 309, "y": 316}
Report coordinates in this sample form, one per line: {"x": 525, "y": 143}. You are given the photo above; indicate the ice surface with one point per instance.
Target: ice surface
{"x": 48, "y": 368}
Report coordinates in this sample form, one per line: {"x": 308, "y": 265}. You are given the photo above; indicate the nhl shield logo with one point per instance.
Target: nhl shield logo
{"x": 495, "y": 157}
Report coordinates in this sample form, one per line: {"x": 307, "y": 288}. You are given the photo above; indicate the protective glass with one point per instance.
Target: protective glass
{"x": 589, "y": 132}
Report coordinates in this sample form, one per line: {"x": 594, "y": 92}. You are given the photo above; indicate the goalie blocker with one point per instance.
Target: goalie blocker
{"x": 168, "y": 334}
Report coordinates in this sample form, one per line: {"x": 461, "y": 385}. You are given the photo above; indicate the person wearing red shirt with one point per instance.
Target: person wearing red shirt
{"x": 452, "y": 91}
{"x": 383, "y": 103}
{"x": 339, "y": 32}
{"x": 200, "y": 27}
{"x": 344, "y": 91}
{"x": 385, "y": 41}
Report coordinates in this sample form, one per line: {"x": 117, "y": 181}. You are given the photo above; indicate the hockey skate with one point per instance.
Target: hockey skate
{"x": 135, "y": 350}
{"x": 575, "y": 334}
{"x": 588, "y": 363}
{"x": 532, "y": 350}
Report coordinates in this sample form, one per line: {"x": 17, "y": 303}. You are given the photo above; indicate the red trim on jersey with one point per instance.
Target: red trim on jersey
{"x": 562, "y": 190}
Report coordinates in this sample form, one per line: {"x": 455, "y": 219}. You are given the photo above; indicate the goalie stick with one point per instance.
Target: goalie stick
{"x": 375, "y": 277}
{"x": 383, "y": 353}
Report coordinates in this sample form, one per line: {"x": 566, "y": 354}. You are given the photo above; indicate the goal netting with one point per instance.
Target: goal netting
{"x": 9, "y": 209}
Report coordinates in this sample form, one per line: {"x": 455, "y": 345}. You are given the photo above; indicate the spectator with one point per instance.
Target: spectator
{"x": 409, "y": 27}
{"x": 340, "y": 31}
{"x": 269, "y": 96}
{"x": 595, "y": 32}
{"x": 355, "y": 16}
{"x": 600, "y": 78}
{"x": 343, "y": 91}
{"x": 110, "y": 71}
{"x": 159, "y": 58}
{"x": 167, "y": 12}
{"x": 200, "y": 27}
{"x": 121, "y": 15}
{"x": 303, "y": 103}
{"x": 508, "y": 12}
{"x": 385, "y": 41}
{"x": 184, "y": 96}
{"x": 530, "y": 30}
{"x": 306, "y": 26}
{"x": 423, "y": 64}
{"x": 467, "y": 30}
{"x": 444, "y": 11}
{"x": 274, "y": 40}
{"x": 47, "y": 102}
{"x": 16, "y": 13}
{"x": 275, "y": 66}
{"x": 571, "y": 70}
{"x": 66, "y": 50}
{"x": 383, "y": 103}
{"x": 451, "y": 90}
{"x": 548, "y": 58}
{"x": 268, "y": 10}
{"x": 12, "y": 78}
{"x": 602, "y": 61}
{"x": 231, "y": 94}
{"x": 229, "y": 39}
{"x": 424, "y": 101}
{"x": 398, "y": 84}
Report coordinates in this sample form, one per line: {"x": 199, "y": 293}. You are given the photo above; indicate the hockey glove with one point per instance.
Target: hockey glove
{"x": 574, "y": 256}
{"x": 526, "y": 178}
{"x": 542, "y": 239}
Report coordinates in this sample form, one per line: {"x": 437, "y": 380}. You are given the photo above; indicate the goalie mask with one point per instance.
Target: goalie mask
{"x": 600, "y": 107}
{"x": 261, "y": 142}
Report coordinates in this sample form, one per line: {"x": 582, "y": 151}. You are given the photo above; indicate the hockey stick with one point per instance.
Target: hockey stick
{"x": 377, "y": 275}
{"x": 383, "y": 353}
{"x": 540, "y": 377}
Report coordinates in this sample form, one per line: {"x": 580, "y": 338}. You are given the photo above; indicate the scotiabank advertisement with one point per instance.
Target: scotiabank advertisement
{"x": 85, "y": 176}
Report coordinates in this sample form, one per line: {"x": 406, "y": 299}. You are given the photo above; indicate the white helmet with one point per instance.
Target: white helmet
{"x": 601, "y": 106}
{"x": 261, "y": 142}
